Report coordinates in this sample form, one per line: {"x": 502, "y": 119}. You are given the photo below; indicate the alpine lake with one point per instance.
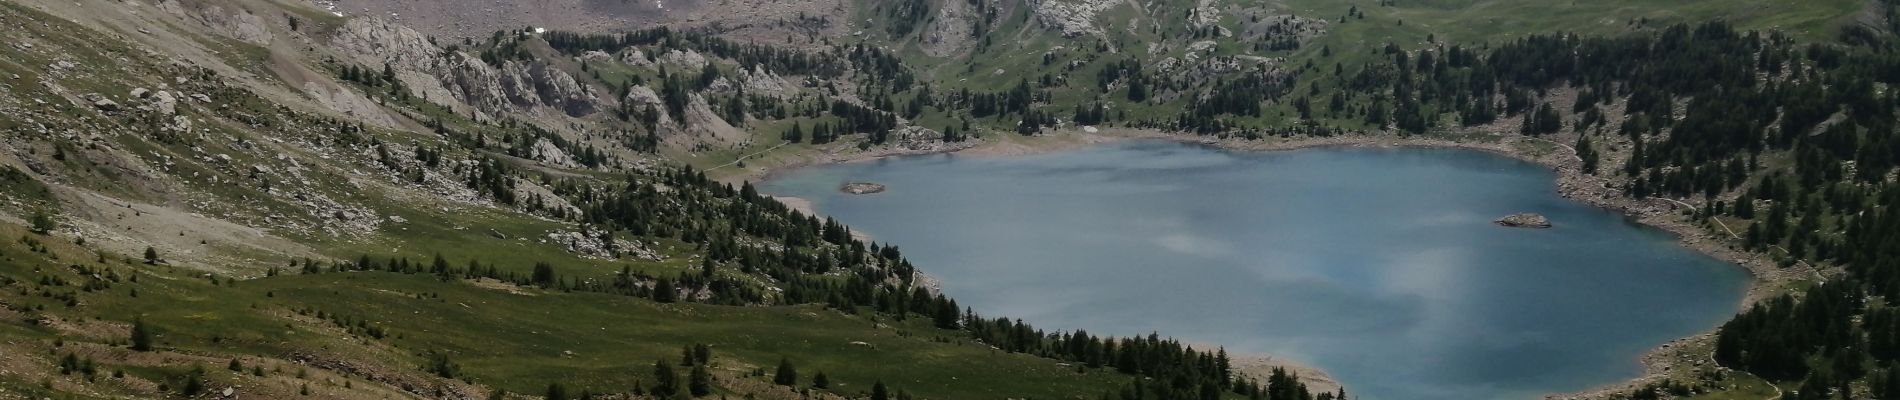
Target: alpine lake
{"x": 1382, "y": 267}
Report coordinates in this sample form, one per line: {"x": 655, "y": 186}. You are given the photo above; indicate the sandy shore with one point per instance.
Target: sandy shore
{"x": 762, "y": 169}
{"x": 798, "y": 204}
{"x": 1673, "y": 359}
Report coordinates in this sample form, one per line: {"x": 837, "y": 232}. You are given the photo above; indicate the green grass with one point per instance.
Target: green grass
{"x": 606, "y": 342}
{"x": 518, "y": 339}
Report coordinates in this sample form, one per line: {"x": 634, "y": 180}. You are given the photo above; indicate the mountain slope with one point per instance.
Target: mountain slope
{"x": 431, "y": 199}
{"x": 260, "y": 198}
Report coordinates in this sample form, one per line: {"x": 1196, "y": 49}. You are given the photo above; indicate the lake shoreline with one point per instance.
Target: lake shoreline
{"x": 1676, "y": 356}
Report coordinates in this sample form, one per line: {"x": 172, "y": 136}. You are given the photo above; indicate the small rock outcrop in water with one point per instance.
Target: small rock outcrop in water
{"x": 1524, "y": 220}
{"x": 861, "y": 188}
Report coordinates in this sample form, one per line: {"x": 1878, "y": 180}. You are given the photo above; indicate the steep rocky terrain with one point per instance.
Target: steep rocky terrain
{"x": 763, "y": 20}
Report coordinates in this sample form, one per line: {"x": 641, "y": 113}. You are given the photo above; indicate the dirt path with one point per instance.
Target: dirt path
{"x": 744, "y": 157}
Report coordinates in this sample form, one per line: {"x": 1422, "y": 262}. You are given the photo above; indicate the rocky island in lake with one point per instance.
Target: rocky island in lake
{"x": 861, "y": 188}
{"x": 1524, "y": 220}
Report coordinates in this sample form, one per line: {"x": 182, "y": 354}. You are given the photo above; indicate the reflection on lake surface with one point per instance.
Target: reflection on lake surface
{"x": 1380, "y": 266}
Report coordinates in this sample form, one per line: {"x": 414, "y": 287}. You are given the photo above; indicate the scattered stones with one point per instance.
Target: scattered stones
{"x": 596, "y": 56}
{"x": 103, "y": 103}
{"x": 165, "y": 102}
{"x": 601, "y": 245}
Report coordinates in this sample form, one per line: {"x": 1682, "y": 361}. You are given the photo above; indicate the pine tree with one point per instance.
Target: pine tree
{"x": 43, "y": 223}
{"x": 1137, "y": 89}
{"x": 556, "y": 391}
{"x": 664, "y": 292}
{"x": 543, "y": 274}
{"x": 700, "y": 382}
{"x": 787, "y": 374}
{"x": 1588, "y": 153}
{"x": 141, "y": 335}
{"x": 702, "y": 352}
{"x": 666, "y": 383}
{"x": 796, "y": 134}
{"x": 820, "y": 381}
{"x": 194, "y": 382}
{"x": 151, "y": 255}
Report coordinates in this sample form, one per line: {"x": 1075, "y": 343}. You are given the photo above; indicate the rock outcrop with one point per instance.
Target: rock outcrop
{"x": 432, "y": 73}
{"x": 759, "y": 81}
{"x": 952, "y": 31}
{"x": 861, "y": 188}
{"x": 1524, "y": 220}
{"x": 1073, "y": 17}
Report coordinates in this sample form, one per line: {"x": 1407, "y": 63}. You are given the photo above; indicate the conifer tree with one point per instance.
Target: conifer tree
{"x": 665, "y": 381}
{"x": 141, "y": 335}
{"x": 700, "y": 382}
{"x": 43, "y": 223}
{"x": 787, "y": 374}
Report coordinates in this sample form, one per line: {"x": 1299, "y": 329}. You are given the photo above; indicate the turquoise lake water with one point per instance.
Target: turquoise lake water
{"x": 1380, "y": 266}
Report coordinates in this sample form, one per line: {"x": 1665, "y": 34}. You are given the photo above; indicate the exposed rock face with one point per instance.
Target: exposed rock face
{"x": 1073, "y": 17}
{"x": 432, "y": 73}
{"x": 553, "y": 88}
{"x": 916, "y": 137}
{"x": 684, "y": 59}
{"x": 635, "y": 57}
{"x": 596, "y": 56}
{"x": 952, "y": 31}
{"x": 861, "y": 188}
{"x": 641, "y": 95}
{"x": 240, "y": 24}
{"x": 1524, "y": 220}
{"x": 547, "y": 152}
{"x": 758, "y": 81}
{"x": 1207, "y": 13}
